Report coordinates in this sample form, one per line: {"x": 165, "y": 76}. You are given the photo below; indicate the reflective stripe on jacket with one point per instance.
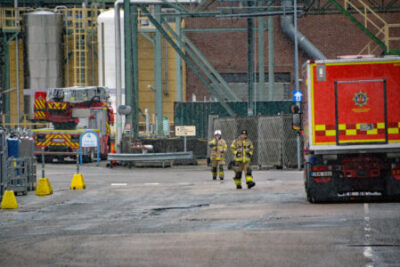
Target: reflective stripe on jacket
{"x": 242, "y": 150}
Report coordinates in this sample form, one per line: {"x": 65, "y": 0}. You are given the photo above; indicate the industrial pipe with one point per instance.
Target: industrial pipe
{"x": 289, "y": 30}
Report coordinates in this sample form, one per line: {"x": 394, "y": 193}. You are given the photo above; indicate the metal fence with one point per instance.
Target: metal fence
{"x": 199, "y": 113}
{"x": 274, "y": 139}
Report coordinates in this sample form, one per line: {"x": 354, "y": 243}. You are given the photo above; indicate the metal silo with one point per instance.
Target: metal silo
{"x": 44, "y": 54}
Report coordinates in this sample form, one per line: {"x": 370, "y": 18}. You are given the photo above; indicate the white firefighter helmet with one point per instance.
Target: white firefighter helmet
{"x": 217, "y": 132}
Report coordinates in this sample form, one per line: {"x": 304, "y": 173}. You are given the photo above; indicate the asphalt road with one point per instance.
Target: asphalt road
{"x": 179, "y": 217}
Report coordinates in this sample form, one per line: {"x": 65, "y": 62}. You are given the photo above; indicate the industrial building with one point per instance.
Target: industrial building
{"x": 226, "y": 49}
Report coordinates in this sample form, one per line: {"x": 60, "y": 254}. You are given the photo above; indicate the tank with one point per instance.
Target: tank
{"x": 44, "y": 54}
{"x": 106, "y": 52}
{"x": 106, "y": 56}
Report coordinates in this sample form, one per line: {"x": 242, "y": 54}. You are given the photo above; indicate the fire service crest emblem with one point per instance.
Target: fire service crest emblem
{"x": 360, "y": 99}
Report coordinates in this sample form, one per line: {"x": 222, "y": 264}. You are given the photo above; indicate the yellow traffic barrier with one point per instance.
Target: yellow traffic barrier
{"x": 9, "y": 201}
{"x": 77, "y": 182}
{"x": 43, "y": 187}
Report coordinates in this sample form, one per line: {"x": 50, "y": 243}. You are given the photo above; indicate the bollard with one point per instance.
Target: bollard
{"x": 9, "y": 201}
{"x": 43, "y": 187}
{"x": 77, "y": 182}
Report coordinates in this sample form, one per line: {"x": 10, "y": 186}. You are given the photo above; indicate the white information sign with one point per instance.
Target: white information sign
{"x": 189, "y": 130}
{"x": 89, "y": 140}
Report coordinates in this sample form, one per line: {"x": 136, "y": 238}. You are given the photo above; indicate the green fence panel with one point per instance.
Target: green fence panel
{"x": 196, "y": 113}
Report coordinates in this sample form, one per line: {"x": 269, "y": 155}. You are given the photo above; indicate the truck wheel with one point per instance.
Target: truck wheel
{"x": 392, "y": 188}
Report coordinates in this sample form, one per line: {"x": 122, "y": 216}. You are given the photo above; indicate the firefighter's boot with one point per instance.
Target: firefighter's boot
{"x": 237, "y": 180}
{"x": 214, "y": 173}
{"x": 221, "y": 172}
{"x": 249, "y": 181}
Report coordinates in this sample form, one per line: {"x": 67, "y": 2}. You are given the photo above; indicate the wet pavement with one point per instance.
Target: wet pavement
{"x": 178, "y": 216}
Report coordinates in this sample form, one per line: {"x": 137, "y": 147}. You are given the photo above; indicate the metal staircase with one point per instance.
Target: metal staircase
{"x": 385, "y": 37}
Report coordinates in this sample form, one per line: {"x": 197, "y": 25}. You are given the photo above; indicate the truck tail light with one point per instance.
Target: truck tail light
{"x": 322, "y": 180}
{"x": 321, "y": 168}
{"x": 321, "y": 174}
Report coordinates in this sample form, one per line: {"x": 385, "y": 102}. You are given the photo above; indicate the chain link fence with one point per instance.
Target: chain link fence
{"x": 274, "y": 140}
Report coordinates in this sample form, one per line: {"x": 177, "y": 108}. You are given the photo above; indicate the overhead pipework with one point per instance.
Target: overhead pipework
{"x": 289, "y": 30}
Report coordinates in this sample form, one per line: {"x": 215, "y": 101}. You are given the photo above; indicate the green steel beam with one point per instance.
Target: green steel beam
{"x": 158, "y": 74}
{"x": 221, "y": 86}
{"x": 186, "y": 59}
{"x": 146, "y": 36}
{"x": 202, "y": 30}
{"x": 364, "y": 29}
{"x": 250, "y": 77}
{"x": 261, "y": 60}
{"x": 199, "y": 59}
{"x": 211, "y": 72}
{"x": 178, "y": 64}
{"x": 128, "y": 59}
{"x": 135, "y": 73}
{"x": 271, "y": 59}
{"x": 131, "y": 63}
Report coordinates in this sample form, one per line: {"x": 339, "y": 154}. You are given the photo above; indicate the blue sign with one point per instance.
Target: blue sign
{"x": 89, "y": 138}
{"x": 297, "y": 96}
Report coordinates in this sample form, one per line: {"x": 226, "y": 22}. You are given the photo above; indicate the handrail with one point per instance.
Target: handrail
{"x": 384, "y": 29}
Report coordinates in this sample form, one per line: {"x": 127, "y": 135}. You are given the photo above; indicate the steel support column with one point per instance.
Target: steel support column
{"x": 135, "y": 74}
{"x": 271, "y": 59}
{"x": 261, "y": 59}
{"x": 179, "y": 85}
{"x": 128, "y": 59}
{"x": 250, "y": 78}
{"x": 158, "y": 74}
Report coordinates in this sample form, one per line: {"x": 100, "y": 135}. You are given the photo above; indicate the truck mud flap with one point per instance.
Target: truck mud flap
{"x": 319, "y": 192}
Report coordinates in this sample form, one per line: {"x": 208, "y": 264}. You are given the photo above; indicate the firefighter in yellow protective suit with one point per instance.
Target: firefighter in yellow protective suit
{"x": 217, "y": 156}
{"x": 242, "y": 149}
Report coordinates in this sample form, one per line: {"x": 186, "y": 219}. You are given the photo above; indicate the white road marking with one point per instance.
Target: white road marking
{"x": 368, "y": 252}
{"x": 151, "y": 183}
{"x": 119, "y": 184}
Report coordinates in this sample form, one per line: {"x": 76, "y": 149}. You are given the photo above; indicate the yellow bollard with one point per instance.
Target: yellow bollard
{"x": 77, "y": 182}
{"x": 9, "y": 201}
{"x": 43, "y": 187}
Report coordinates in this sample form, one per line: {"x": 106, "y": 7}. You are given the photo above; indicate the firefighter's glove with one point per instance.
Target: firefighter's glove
{"x": 211, "y": 145}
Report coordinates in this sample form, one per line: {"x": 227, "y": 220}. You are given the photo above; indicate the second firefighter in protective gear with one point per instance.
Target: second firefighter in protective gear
{"x": 217, "y": 156}
{"x": 242, "y": 149}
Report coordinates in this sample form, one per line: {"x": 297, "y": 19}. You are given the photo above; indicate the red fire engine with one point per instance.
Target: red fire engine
{"x": 71, "y": 111}
{"x": 351, "y": 119}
